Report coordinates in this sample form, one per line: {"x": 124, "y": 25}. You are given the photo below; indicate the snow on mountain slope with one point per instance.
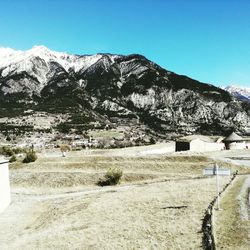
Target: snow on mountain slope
{"x": 9, "y": 56}
{"x": 39, "y": 61}
{"x": 241, "y": 93}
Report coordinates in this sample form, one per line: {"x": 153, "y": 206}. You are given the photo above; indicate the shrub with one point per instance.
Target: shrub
{"x": 6, "y": 151}
{"x": 112, "y": 177}
{"x": 18, "y": 150}
{"x": 12, "y": 158}
{"x": 152, "y": 141}
{"x": 8, "y": 138}
{"x": 30, "y": 157}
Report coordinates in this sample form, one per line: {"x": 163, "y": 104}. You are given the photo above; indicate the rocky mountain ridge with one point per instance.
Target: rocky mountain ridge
{"x": 104, "y": 86}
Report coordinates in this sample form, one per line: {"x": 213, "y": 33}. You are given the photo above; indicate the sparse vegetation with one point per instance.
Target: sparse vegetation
{"x": 8, "y": 138}
{"x": 105, "y": 134}
{"x": 30, "y": 157}
{"x": 7, "y": 151}
{"x": 152, "y": 140}
{"x": 15, "y": 129}
{"x": 12, "y": 159}
{"x": 112, "y": 177}
{"x": 19, "y": 150}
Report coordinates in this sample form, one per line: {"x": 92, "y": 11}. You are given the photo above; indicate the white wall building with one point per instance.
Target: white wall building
{"x": 234, "y": 141}
{"x": 4, "y": 185}
{"x": 198, "y": 143}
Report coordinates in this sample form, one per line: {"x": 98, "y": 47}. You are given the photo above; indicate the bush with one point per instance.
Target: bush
{"x": 30, "y": 157}
{"x": 152, "y": 141}
{"x": 112, "y": 177}
{"x": 19, "y": 150}
{"x": 6, "y": 151}
{"x": 12, "y": 158}
{"x": 8, "y": 138}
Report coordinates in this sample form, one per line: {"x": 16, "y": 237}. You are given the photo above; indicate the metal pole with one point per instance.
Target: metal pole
{"x": 217, "y": 184}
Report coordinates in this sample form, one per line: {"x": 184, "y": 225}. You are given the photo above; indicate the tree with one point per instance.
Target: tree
{"x": 64, "y": 148}
{"x": 30, "y": 157}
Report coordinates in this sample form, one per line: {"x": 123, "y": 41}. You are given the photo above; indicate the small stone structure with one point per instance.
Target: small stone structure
{"x": 198, "y": 143}
{"x": 234, "y": 141}
{"x": 4, "y": 185}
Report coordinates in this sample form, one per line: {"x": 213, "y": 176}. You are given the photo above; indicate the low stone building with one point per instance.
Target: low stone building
{"x": 234, "y": 141}
{"x": 198, "y": 143}
{"x": 4, "y": 185}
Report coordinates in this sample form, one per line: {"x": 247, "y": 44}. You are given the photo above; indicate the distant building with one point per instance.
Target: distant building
{"x": 198, "y": 143}
{"x": 234, "y": 141}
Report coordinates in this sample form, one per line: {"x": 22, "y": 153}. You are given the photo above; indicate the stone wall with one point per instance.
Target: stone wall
{"x": 208, "y": 222}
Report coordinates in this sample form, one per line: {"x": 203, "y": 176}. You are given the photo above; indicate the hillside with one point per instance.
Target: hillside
{"x": 106, "y": 87}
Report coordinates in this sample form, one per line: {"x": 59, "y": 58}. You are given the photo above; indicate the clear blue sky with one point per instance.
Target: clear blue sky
{"x": 208, "y": 40}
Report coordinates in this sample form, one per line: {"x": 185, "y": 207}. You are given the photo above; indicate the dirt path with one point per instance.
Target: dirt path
{"x": 123, "y": 217}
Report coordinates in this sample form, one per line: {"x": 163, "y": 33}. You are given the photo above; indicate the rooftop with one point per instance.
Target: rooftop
{"x": 190, "y": 138}
{"x": 233, "y": 137}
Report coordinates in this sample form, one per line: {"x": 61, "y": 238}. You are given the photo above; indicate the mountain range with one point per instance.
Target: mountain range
{"x": 241, "y": 93}
{"x": 104, "y": 86}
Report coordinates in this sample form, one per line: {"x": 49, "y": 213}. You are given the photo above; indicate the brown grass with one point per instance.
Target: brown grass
{"x": 232, "y": 231}
{"x": 77, "y": 170}
{"x": 136, "y": 217}
{"x": 52, "y": 207}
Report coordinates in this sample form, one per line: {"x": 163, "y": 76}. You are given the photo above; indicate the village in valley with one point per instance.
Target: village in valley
{"x": 76, "y": 166}
{"x": 40, "y": 130}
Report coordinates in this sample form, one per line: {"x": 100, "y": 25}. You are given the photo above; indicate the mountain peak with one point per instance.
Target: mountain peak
{"x": 242, "y": 93}
{"x": 39, "y": 48}
{"x": 42, "y": 51}
{"x": 236, "y": 87}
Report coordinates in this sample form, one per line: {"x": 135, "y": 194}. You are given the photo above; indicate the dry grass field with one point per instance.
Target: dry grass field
{"x": 159, "y": 204}
{"x": 233, "y": 222}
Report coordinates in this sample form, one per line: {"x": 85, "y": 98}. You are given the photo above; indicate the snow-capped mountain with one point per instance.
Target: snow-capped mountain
{"x": 9, "y": 57}
{"x": 241, "y": 93}
{"x": 41, "y": 63}
{"x": 107, "y": 86}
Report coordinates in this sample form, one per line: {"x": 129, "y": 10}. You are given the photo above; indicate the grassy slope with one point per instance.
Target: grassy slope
{"x": 126, "y": 217}
{"x": 79, "y": 169}
{"x": 136, "y": 217}
{"x": 232, "y": 232}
